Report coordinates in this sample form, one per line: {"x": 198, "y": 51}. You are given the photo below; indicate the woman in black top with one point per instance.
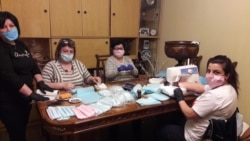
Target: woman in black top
{"x": 17, "y": 71}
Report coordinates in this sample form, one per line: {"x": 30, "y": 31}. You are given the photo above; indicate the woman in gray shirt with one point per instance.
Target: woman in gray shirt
{"x": 119, "y": 67}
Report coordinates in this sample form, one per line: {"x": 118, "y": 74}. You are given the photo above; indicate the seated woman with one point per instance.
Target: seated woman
{"x": 217, "y": 100}
{"x": 119, "y": 67}
{"x": 66, "y": 72}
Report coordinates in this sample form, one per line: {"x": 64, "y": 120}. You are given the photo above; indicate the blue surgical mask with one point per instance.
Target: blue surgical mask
{"x": 67, "y": 57}
{"x": 11, "y": 35}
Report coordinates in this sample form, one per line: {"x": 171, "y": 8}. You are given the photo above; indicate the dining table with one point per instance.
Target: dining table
{"x": 129, "y": 112}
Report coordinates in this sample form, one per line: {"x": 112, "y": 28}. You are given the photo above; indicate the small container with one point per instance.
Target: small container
{"x": 138, "y": 93}
{"x": 74, "y": 100}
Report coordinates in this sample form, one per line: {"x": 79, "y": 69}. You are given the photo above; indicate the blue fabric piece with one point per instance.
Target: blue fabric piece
{"x": 203, "y": 80}
{"x": 152, "y": 88}
{"x": 158, "y": 96}
{"x": 87, "y": 94}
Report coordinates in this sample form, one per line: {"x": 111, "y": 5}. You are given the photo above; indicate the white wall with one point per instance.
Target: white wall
{"x": 221, "y": 27}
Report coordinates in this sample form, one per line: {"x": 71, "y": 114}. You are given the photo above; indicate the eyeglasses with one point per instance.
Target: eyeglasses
{"x": 67, "y": 42}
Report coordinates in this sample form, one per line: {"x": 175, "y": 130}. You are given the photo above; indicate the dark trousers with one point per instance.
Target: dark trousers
{"x": 173, "y": 129}
{"x": 15, "y": 119}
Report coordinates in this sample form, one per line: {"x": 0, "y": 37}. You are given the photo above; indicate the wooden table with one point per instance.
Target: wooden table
{"x": 129, "y": 112}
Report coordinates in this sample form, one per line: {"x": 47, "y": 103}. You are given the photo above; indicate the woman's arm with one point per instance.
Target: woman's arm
{"x": 25, "y": 90}
{"x": 187, "y": 111}
{"x": 195, "y": 87}
{"x": 93, "y": 80}
{"x": 110, "y": 69}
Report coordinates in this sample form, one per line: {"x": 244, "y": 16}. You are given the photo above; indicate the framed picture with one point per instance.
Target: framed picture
{"x": 144, "y": 31}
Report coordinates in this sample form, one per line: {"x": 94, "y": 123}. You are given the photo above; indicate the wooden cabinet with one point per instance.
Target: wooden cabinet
{"x": 96, "y": 18}
{"x": 77, "y": 18}
{"x": 86, "y": 49}
{"x": 125, "y": 18}
{"x": 91, "y": 23}
{"x": 33, "y": 16}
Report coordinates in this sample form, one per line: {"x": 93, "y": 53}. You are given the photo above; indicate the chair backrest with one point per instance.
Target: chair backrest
{"x": 100, "y": 65}
{"x": 235, "y": 63}
{"x": 196, "y": 61}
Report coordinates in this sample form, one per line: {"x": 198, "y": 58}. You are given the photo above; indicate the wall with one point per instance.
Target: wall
{"x": 221, "y": 27}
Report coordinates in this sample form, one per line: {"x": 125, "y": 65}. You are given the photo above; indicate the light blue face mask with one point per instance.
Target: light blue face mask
{"x": 67, "y": 57}
{"x": 11, "y": 35}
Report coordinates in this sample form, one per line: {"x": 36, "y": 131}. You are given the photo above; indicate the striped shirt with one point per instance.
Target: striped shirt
{"x": 53, "y": 72}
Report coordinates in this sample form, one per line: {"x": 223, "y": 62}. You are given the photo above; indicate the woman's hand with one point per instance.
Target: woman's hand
{"x": 94, "y": 80}
{"x": 67, "y": 86}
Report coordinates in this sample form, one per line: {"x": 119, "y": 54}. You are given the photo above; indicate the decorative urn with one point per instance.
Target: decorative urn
{"x": 181, "y": 50}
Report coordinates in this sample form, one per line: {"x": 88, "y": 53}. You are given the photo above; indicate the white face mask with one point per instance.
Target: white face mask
{"x": 67, "y": 57}
{"x": 118, "y": 53}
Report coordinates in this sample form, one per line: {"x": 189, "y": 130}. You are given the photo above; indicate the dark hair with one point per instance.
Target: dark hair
{"x": 4, "y": 15}
{"x": 62, "y": 43}
{"x": 228, "y": 68}
{"x": 116, "y": 42}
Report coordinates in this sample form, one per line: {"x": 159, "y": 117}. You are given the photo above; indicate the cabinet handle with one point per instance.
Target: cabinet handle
{"x": 55, "y": 43}
{"x": 45, "y": 11}
{"x": 113, "y": 14}
{"x": 85, "y": 12}
{"x": 106, "y": 42}
{"x": 78, "y": 11}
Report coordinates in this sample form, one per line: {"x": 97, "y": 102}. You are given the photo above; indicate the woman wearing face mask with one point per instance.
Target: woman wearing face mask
{"x": 217, "y": 100}
{"x": 119, "y": 67}
{"x": 66, "y": 72}
{"x": 17, "y": 72}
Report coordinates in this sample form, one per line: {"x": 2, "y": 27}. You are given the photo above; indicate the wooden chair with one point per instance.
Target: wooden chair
{"x": 100, "y": 65}
{"x": 235, "y": 63}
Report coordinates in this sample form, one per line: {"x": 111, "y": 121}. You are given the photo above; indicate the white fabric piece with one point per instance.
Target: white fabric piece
{"x": 147, "y": 101}
{"x": 50, "y": 95}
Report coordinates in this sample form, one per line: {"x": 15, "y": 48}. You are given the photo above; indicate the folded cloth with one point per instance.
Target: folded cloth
{"x": 79, "y": 114}
{"x": 152, "y": 88}
{"x": 87, "y": 94}
{"x": 53, "y": 113}
{"x": 100, "y": 86}
{"x": 156, "y": 80}
{"x": 100, "y": 108}
{"x": 105, "y": 92}
{"x": 158, "y": 96}
{"x": 88, "y": 111}
{"x": 168, "y": 90}
{"x": 147, "y": 101}
{"x": 50, "y": 95}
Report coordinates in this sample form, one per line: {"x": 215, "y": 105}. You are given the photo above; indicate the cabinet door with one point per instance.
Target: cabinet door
{"x": 125, "y": 18}
{"x": 86, "y": 50}
{"x": 95, "y": 17}
{"x": 33, "y": 16}
{"x": 66, "y": 19}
